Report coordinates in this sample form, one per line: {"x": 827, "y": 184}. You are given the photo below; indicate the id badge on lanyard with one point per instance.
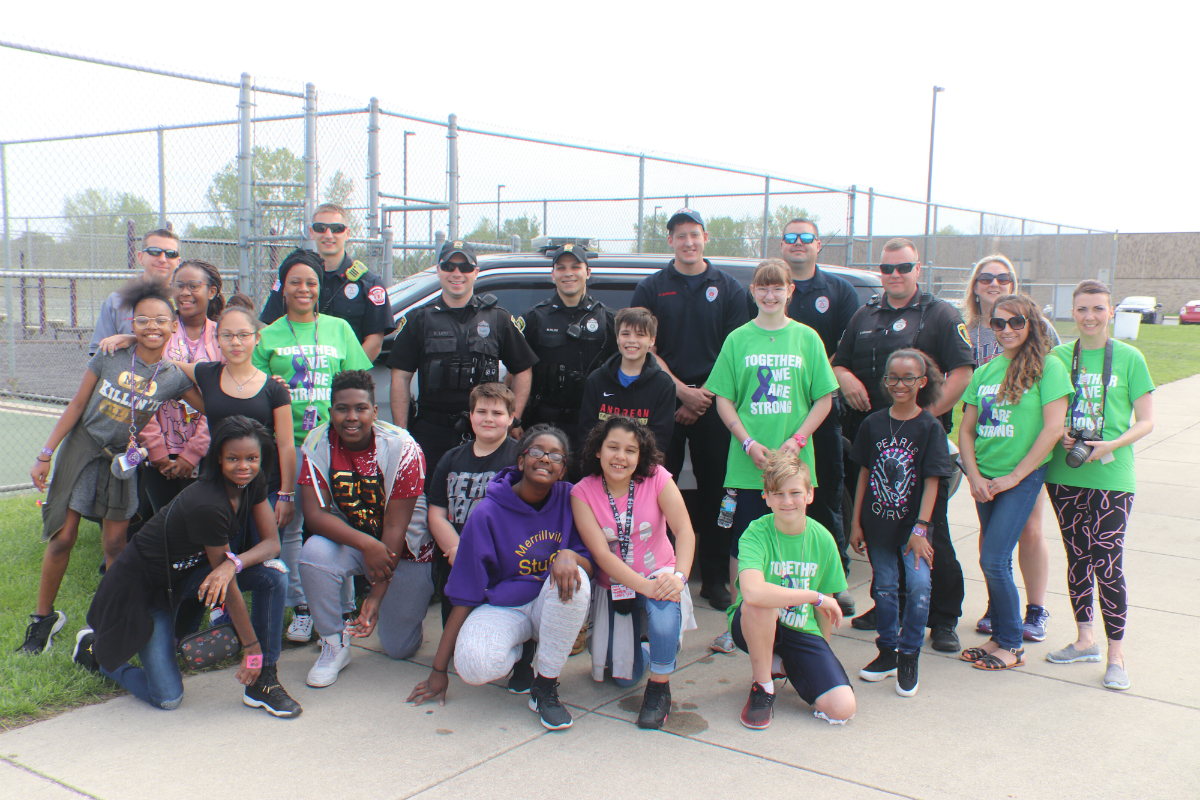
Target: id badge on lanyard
{"x": 624, "y": 533}
{"x": 133, "y": 456}
{"x": 309, "y": 421}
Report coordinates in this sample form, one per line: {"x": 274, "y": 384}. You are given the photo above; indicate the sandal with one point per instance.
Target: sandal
{"x": 992, "y": 663}
{"x": 973, "y": 654}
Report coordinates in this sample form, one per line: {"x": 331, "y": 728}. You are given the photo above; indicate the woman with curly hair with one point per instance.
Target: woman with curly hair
{"x": 1014, "y": 415}
{"x": 622, "y": 509}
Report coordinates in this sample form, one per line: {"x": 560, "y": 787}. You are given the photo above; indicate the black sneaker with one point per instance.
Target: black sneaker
{"x": 759, "y": 708}
{"x": 884, "y": 666}
{"x": 522, "y": 673}
{"x": 543, "y": 698}
{"x": 268, "y": 694}
{"x": 82, "y": 655}
{"x": 846, "y": 601}
{"x": 40, "y": 633}
{"x": 906, "y": 674}
{"x": 944, "y": 638}
{"x": 656, "y": 704}
{"x": 864, "y": 622}
{"x": 716, "y": 594}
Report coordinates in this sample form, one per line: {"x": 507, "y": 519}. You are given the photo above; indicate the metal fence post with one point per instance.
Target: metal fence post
{"x": 981, "y": 236}
{"x": 439, "y": 239}
{"x": 545, "y": 225}
{"x": 310, "y": 163}
{"x": 452, "y": 189}
{"x": 1021, "y": 257}
{"x": 8, "y": 282}
{"x": 641, "y": 226}
{"x": 766, "y": 214}
{"x": 386, "y": 268}
{"x": 1054, "y": 298}
{"x": 515, "y": 243}
{"x": 130, "y": 245}
{"x": 244, "y": 181}
{"x": 1112, "y": 277}
{"x": 162, "y": 181}
{"x": 373, "y": 169}
{"x": 931, "y": 250}
{"x": 870, "y": 222}
{"x": 1087, "y": 255}
{"x": 850, "y": 197}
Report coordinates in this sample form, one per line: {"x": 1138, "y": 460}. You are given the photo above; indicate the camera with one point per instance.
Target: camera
{"x": 1080, "y": 452}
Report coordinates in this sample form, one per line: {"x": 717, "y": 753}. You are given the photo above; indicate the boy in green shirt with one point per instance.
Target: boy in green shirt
{"x": 788, "y": 565}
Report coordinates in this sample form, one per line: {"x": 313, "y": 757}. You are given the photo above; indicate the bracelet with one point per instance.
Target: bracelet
{"x": 237, "y": 562}
{"x": 286, "y": 498}
{"x": 287, "y": 494}
{"x": 254, "y": 662}
{"x": 746, "y": 444}
{"x": 681, "y": 576}
{"x": 820, "y": 599}
{"x": 47, "y": 451}
{"x": 43, "y": 460}
{"x": 250, "y": 645}
{"x": 919, "y": 531}
{"x": 445, "y": 671}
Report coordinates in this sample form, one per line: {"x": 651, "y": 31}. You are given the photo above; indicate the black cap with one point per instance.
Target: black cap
{"x": 453, "y": 246}
{"x": 685, "y": 215}
{"x": 576, "y": 250}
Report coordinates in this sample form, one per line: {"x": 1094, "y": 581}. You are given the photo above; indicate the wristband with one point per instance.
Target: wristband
{"x": 47, "y": 451}
{"x": 746, "y": 444}
{"x": 681, "y": 576}
{"x": 254, "y": 662}
{"x": 800, "y": 440}
{"x": 445, "y": 671}
{"x": 924, "y": 522}
{"x": 820, "y": 599}
{"x": 237, "y": 562}
{"x": 286, "y": 498}
{"x": 919, "y": 531}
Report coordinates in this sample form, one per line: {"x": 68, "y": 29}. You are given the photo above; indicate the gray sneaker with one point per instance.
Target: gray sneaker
{"x": 723, "y": 644}
{"x": 1069, "y": 655}
{"x": 1115, "y": 678}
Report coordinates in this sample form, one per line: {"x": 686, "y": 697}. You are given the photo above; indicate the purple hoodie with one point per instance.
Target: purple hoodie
{"x": 507, "y": 546}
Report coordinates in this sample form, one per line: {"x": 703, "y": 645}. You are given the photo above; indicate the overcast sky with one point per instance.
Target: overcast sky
{"x": 1083, "y": 114}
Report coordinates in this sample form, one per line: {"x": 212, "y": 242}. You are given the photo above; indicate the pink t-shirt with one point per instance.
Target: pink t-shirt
{"x": 650, "y": 549}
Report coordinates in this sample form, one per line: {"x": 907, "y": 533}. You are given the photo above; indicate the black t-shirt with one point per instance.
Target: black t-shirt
{"x": 362, "y": 302}
{"x": 218, "y": 405}
{"x": 461, "y": 478}
{"x": 898, "y": 456}
{"x": 200, "y": 516}
{"x": 824, "y": 303}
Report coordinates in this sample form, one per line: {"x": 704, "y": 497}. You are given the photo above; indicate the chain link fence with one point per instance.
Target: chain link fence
{"x": 236, "y": 167}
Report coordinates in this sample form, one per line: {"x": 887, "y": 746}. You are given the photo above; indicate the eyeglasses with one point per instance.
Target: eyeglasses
{"x": 892, "y": 380}
{"x": 190, "y": 286}
{"x": 144, "y": 322}
{"x": 1016, "y": 323}
{"x": 537, "y": 452}
{"x": 1003, "y": 278}
{"x": 903, "y": 269}
{"x": 805, "y": 238}
{"x": 770, "y": 291}
{"x": 242, "y": 336}
{"x": 465, "y": 267}
{"x": 155, "y": 252}
{"x": 332, "y": 227}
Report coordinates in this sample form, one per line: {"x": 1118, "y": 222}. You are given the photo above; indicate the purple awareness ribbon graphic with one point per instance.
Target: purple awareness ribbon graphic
{"x": 764, "y": 385}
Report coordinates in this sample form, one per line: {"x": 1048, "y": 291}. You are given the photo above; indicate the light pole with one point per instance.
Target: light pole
{"x": 406, "y": 135}
{"x": 498, "y": 188}
{"x": 929, "y": 184}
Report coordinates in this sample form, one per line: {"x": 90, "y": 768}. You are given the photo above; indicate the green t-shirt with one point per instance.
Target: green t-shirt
{"x": 1130, "y": 380}
{"x": 1005, "y": 433}
{"x": 307, "y": 355}
{"x": 772, "y": 378}
{"x": 807, "y": 561}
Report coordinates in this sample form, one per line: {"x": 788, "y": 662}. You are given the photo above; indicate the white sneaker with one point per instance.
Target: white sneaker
{"x": 301, "y": 628}
{"x": 335, "y": 654}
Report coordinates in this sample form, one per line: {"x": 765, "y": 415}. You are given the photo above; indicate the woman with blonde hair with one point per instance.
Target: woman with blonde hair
{"x": 992, "y": 278}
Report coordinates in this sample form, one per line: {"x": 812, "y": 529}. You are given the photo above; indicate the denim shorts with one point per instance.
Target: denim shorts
{"x": 808, "y": 661}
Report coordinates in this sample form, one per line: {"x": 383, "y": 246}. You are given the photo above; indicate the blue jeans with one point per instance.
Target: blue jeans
{"x": 268, "y": 590}
{"x": 665, "y": 618}
{"x": 158, "y": 680}
{"x": 1000, "y": 524}
{"x": 885, "y": 587}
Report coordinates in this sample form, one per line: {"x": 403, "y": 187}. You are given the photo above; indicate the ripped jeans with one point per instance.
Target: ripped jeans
{"x": 885, "y": 591}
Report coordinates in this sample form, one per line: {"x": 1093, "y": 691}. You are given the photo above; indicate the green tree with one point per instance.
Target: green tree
{"x": 949, "y": 230}
{"x": 729, "y": 237}
{"x": 276, "y": 166}
{"x": 524, "y": 226}
{"x": 194, "y": 231}
{"x": 780, "y": 217}
{"x": 104, "y": 212}
{"x": 654, "y": 233}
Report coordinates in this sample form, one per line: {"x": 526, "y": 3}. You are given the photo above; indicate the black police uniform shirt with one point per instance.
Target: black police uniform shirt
{"x": 479, "y": 329}
{"x": 825, "y": 304}
{"x": 877, "y": 329}
{"x": 351, "y": 292}
{"x": 692, "y": 322}
{"x": 570, "y": 343}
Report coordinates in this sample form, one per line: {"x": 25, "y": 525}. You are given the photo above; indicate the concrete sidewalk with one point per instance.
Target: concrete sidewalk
{"x": 1045, "y": 730}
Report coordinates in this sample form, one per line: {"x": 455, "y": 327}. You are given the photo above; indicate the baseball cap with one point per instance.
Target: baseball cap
{"x": 576, "y": 250}
{"x": 453, "y": 246}
{"x": 685, "y": 215}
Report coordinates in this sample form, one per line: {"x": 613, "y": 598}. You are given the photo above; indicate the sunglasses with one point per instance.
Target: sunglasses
{"x": 903, "y": 269}
{"x": 332, "y": 227}
{"x": 805, "y": 238}
{"x": 155, "y": 252}
{"x": 892, "y": 380}
{"x": 465, "y": 267}
{"x": 537, "y": 452}
{"x": 1016, "y": 323}
{"x": 1003, "y": 278}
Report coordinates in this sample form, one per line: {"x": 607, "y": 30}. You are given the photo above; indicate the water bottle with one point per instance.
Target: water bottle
{"x": 728, "y": 505}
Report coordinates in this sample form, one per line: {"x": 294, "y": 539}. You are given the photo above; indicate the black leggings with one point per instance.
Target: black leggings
{"x": 1093, "y": 523}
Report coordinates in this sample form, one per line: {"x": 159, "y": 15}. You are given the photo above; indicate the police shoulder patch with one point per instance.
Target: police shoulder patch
{"x": 403, "y": 322}
{"x": 962, "y": 332}
{"x": 520, "y": 323}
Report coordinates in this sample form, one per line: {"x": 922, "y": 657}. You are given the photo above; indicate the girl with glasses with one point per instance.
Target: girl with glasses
{"x": 1013, "y": 418}
{"x": 992, "y": 278}
{"x": 521, "y": 583}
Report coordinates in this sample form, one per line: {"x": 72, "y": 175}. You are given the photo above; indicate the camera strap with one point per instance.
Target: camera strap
{"x": 1105, "y": 379}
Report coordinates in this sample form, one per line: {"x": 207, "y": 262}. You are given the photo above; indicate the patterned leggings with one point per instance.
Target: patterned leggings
{"x": 1093, "y": 530}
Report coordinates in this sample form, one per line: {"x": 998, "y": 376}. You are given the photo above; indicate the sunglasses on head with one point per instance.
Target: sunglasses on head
{"x": 465, "y": 267}
{"x": 155, "y": 252}
{"x": 1016, "y": 323}
{"x": 1003, "y": 278}
{"x": 903, "y": 269}
{"x": 332, "y": 227}
{"x": 805, "y": 238}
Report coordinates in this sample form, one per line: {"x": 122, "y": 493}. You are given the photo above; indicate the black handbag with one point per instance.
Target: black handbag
{"x": 201, "y": 649}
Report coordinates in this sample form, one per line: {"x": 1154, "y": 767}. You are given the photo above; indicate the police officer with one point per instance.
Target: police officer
{"x": 572, "y": 334}
{"x": 907, "y": 317}
{"x": 697, "y": 306}
{"x": 825, "y": 303}
{"x": 348, "y": 289}
{"x": 454, "y": 344}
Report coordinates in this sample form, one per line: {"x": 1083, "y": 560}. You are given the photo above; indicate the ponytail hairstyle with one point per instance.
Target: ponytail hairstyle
{"x": 1026, "y": 369}
{"x": 240, "y": 303}
{"x": 212, "y": 276}
{"x": 929, "y": 394}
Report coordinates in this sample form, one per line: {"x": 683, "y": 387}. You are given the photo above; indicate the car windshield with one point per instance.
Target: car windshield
{"x": 1138, "y": 301}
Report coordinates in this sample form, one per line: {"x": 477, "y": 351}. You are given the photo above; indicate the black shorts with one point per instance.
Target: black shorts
{"x": 751, "y": 505}
{"x": 808, "y": 661}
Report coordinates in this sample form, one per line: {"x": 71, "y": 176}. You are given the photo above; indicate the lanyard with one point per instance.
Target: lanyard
{"x": 624, "y": 528}
{"x": 1105, "y": 378}
{"x": 310, "y": 377}
{"x": 137, "y": 396}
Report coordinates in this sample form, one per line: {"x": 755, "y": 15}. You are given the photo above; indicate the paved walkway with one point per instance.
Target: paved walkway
{"x": 1045, "y": 730}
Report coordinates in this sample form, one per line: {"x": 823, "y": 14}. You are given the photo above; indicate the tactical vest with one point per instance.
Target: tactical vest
{"x": 871, "y": 350}
{"x": 567, "y": 355}
{"x": 456, "y": 357}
